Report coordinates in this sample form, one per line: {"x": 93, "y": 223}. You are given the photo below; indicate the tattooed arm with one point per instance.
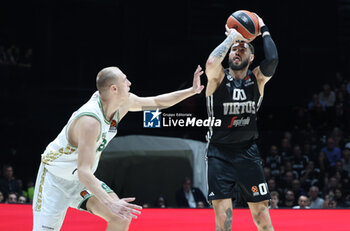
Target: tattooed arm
{"x": 214, "y": 69}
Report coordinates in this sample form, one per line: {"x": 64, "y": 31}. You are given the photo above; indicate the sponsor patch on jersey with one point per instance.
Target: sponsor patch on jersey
{"x": 248, "y": 81}
{"x": 241, "y": 122}
{"x": 113, "y": 126}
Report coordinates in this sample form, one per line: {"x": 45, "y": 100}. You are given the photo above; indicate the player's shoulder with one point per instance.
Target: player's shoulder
{"x": 132, "y": 96}
{"x": 88, "y": 120}
{"x": 92, "y": 104}
{"x": 91, "y": 112}
{"x": 216, "y": 74}
{"x": 85, "y": 124}
{"x": 131, "y": 100}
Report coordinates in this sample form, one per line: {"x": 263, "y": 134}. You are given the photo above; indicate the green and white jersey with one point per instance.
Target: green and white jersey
{"x": 61, "y": 158}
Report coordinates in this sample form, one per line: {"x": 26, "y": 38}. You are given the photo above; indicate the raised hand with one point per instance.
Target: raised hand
{"x": 197, "y": 87}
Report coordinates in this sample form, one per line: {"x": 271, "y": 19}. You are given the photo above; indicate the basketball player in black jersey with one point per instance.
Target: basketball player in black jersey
{"x": 234, "y": 96}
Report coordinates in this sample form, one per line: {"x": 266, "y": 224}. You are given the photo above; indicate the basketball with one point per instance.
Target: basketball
{"x": 245, "y": 22}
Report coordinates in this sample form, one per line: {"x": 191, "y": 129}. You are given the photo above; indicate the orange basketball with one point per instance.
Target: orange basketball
{"x": 245, "y": 22}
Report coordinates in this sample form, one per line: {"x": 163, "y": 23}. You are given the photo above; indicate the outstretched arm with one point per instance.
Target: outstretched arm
{"x": 137, "y": 103}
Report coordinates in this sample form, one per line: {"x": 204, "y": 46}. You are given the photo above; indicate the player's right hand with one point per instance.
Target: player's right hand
{"x": 261, "y": 22}
{"x": 125, "y": 210}
{"x": 237, "y": 37}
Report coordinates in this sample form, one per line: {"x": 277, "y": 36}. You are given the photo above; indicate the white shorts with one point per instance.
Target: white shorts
{"x": 53, "y": 196}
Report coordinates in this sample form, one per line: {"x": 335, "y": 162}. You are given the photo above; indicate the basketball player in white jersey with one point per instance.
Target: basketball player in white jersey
{"x": 66, "y": 174}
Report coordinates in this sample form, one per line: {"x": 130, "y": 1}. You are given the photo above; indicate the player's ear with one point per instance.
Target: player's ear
{"x": 113, "y": 88}
{"x": 252, "y": 56}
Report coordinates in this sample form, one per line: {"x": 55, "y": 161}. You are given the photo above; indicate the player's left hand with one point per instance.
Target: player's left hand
{"x": 197, "y": 87}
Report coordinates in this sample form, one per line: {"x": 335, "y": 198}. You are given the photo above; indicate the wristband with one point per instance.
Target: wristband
{"x": 264, "y": 29}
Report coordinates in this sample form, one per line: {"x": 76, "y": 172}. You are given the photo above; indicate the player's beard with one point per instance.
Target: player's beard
{"x": 241, "y": 66}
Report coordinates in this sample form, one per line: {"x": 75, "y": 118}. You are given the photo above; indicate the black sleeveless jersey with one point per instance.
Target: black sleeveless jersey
{"x": 236, "y": 103}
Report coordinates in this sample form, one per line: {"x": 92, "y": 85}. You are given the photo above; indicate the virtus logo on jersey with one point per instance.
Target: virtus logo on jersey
{"x": 239, "y": 106}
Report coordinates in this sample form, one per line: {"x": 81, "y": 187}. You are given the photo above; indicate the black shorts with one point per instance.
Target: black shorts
{"x": 228, "y": 167}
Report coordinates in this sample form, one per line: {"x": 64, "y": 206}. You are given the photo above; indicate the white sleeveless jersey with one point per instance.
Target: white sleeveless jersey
{"x": 61, "y": 158}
